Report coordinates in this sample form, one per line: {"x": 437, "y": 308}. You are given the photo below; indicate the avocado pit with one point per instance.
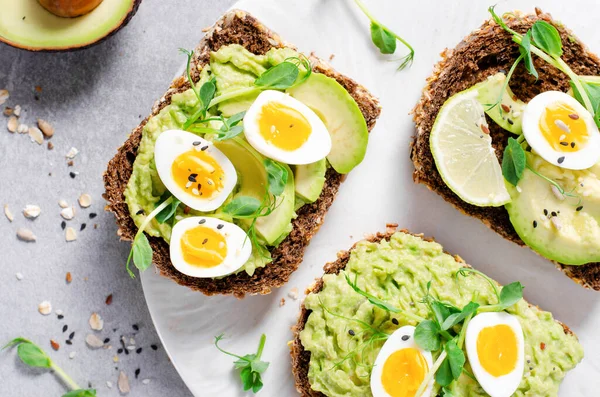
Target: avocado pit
{"x": 69, "y": 8}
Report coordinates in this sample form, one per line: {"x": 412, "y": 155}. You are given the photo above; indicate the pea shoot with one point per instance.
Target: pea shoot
{"x": 385, "y": 39}
{"x": 33, "y": 356}
{"x": 251, "y": 367}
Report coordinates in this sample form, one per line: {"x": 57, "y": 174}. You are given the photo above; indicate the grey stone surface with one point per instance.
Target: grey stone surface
{"x": 93, "y": 98}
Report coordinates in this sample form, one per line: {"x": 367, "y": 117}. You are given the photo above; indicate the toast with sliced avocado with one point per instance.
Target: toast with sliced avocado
{"x": 396, "y": 315}
{"x": 221, "y": 189}
{"x": 544, "y": 196}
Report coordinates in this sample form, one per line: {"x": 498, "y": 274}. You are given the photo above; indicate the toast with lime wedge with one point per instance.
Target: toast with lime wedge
{"x": 224, "y": 184}
{"x": 503, "y": 134}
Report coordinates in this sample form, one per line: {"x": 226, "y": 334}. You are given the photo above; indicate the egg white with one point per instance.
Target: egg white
{"x": 171, "y": 144}
{"x": 506, "y": 385}
{"x": 585, "y": 157}
{"x": 239, "y": 248}
{"x": 314, "y": 149}
{"x": 392, "y": 345}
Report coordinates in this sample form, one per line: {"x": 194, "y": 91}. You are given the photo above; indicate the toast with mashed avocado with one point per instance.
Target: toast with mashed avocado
{"x": 396, "y": 315}
{"x": 223, "y": 186}
{"x": 525, "y": 162}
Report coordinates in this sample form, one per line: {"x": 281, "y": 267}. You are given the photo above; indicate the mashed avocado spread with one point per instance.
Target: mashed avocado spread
{"x": 233, "y": 67}
{"x": 397, "y": 271}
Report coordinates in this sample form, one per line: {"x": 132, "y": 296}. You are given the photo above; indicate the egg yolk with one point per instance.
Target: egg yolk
{"x": 283, "y": 127}
{"x": 203, "y": 247}
{"x": 198, "y": 173}
{"x": 563, "y": 128}
{"x": 403, "y": 372}
{"x": 497, "y": 349}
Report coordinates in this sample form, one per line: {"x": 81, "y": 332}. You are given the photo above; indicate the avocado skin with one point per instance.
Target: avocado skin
{"x": 134, "y": 7}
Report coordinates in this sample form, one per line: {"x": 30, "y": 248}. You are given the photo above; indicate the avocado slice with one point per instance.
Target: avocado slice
{"x": 252, "y": 181}
{"x": 508, "y": 114}
{"x": 309, "y": 180}
{"x": 27, "y": 24}
{"x": 342, "y": 117}
{"x": 563, "y": 230}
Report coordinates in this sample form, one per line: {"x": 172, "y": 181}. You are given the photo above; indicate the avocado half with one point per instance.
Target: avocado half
{"x": 28, "y": 25}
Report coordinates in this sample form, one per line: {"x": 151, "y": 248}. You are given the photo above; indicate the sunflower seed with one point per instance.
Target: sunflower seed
{"x": 72, "y": 153}
{"x": 46, "y": 128}
{"x": 31, "y": 211}
{"x": 26, "y": 235}
{"x": 45, "y": 308}
{"x": 557, "y": 193}
{"x": 13, "y": 124}
{"x": 557, "y": 223}
{"x": 17, "y": 111}
{"x": 8, "y": 213}
{"x": 85, "y": 200}
{"x": 93, "y": 341}
{"x": 68, "y": 213}
{"x": 3, "y": 96}
{"x": 70, "y": 234}
{"x": 36, "y": 135}
{"x": 123, "y": 383}
{"x": 63, "y": 203}
{"x": 22, "y": 129}
{"x": 96, "y": 322}
{"x": 561, "y": 124}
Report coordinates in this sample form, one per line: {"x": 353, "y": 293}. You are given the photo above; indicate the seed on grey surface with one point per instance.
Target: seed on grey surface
{"x": 154, "y": 347}
{"x": 60, "y": 316}
{"x": 69, "y": 342}
{"x": 72, "y": 174}
{"x": 83, "y": 225}
{"x": 135, "y": 327}
{"x": 22, "y": 129}
{"x": 45, "y": 127}
{"x": 63, "y": 225}
{"x": 120, "y": 351}
{"x": 36, "y": 135}
{"x": 4, "y": 94}
{"x": 93, "y": 341}
{"x": 72, "y": 335}
{"x": 8, "y": 213}
{"x": 123, "y": 383}
{"x": 85, "y": 200}
{"x": 27, "y": 235}
{"x": 106, "y": 340}
{"x": 68, "y": 213}
{"x": 96, "y": 322}
{"x": 92, "y": 215}
{"x": 70, "y": 234}
{"x": 65, "y": 328}
{"x": 137, "y": 373}
{"x": 72, "y": 153}
{"x": 13, "y": 124}
{"x": 139, "y": 350}
{"x": 31, "y": 211}
{"x": 45, "y": 308}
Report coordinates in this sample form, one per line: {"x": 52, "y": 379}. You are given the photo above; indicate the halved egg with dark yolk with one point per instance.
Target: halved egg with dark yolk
{"x": 208, "y": 247}
{"x": 284, "y": 129}
{"x": 401, "y": 366}
{"x": 496, "y": 349}
{"x": 193, "y": 170}
{"x": 561, "y": 131}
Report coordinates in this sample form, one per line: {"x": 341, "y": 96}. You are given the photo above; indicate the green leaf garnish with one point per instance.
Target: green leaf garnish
{"x": 242, "y": 207}
{"x": 511, "y": 294}
{"x": 142, "y": 252}
{"x": 278, "y": 77}
{"x": 250, "y": 365}
{"x": 169, "y": 211}
{"x": 513, "y": 162}
{"x": 547, "y": 38}
{"x": 427, "y": 335}
{"x": 277, "y": 176}
{"x": 525, "y": 50}
{"x": 457, "y": 318}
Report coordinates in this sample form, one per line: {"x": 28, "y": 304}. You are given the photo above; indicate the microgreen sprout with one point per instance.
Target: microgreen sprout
{"x": 250, "y": 365}
{"x": 33, "y": 356}
{"x": 385, "y": 39}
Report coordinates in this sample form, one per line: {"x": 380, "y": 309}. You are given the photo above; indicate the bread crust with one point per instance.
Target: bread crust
{"x": 486, "y": 51}
{"x": 301, "y": 357}
{"x": 237, "y": 27}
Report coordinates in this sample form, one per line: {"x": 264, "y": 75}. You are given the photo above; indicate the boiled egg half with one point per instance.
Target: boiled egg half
{"x": 284, "y": 129}
{"x": 193, "y": 170}
{"x": 401, "y": 366}
{"x": 496, "y": 349}
{"x": 561, "y": 131}
{"x": 208, "y": 247}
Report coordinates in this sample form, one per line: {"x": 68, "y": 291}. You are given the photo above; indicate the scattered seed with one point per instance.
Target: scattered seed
{"x": 573, "y": 145}
{"x": 72, "y": 355}
{"x": 4, "y": 94}
{"x": 395, "y": 321}
{"x": 31, "y": 211}
{"x": 22, "y": 129}
{"x": 70, "y": 234}
{"x": 36, "y": 135}
{"x": 485, "y": 129}
{"x": 85, "y": 200}
{"x": 220, "y": 226}
{"x": 553, "y": 213}
{"x": 69, "y": 342}
{"x": 109, "y": 384}
{"x": 545, "y": 212}
{"x": 60, "y": 316}
{"x": 96, "y": 322}
{"x": 46, "y": 128}
{"x": 8, "y": 213}
{"x": 579, "y": 208}
{"x": 123, "y": 383}
{"x": 556, "y": 222}
{"x": 70, "y": 163}
{"x": 146, "y": 381}
{"x": 17, "y": 111}
{"x": 505, "y": 108}
{"x": 542, "y": 346}
{"x": 196, "y": 143}
{"x": 26, "y": 235}
{"x": 561, "y": 124}
{"x": 83, "y": 225}
{"x": 561, "y": 159}
{"x": 201, "y": 221}
{"x": 13, "y": 124}
{"x": 282, "y": 302}
{"x": 574, "y": 116}
{"x": 293, "y": 293}
{"x": 19, "y": 276}
{"x": 139, "y": 350}
{"x": 120, "y": 351}
{"x": 154, "y": 347}
{"x": 63, "y": 225}
{"x": 93, "y": 341}
{"x": 203, "y": 148}
{"x": 45, "y": 308}
{"x": 534, "y": 224}
{"x": 54, "y": 344}
{"x": 351, "y": 332}
{"x": 72, "y": 335}
{"x": 72, "y": 153}
{"x": 8, "y": 111}
{"x": 50, "y": 146}
{"x": 405, "y": 337}
{"x": 92, "y": 215}
{"x": 109, "y": 299}
{"x": 557, "y": 193}
{"x": 510, "y": 121}
{"x": 564, "y": 143}
{"x": 65, "y": 328}
{"x": 106, "y": 340}
{"x": 135, "y": 328}
{"x": 68, "y": 213}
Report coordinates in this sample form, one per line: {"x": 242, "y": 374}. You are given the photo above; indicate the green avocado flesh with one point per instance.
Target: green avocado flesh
{"x": 509, "y": 111}
{"x": 233, "y": 67}
{"x": 309, "y": 180}
{"x": 342, "y": 117}
{"x": 561, "y": 232}
{"x": 26, "y": 24}
{"x": 397, "y": 271}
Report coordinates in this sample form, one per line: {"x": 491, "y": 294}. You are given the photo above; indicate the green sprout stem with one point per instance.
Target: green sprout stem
{"x": 374, "y": 20}
{"x": 261, "y": 346}
{"x": 505, "y": 86}
{"x": 463, "y": 333}
{"x": 560, "y": 189}
{"x": 63, "y": 376}
{"x": 152, "y": 215}
{"x": 431, "y": 374}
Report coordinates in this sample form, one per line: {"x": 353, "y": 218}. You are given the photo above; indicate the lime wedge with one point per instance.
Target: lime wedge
{"x": 463, "y": 152}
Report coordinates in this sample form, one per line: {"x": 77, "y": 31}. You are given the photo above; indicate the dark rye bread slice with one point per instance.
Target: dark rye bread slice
{"x": 237, "y": 27}
{"x": 301, "y": 357}
{"x": 483, "y": 53}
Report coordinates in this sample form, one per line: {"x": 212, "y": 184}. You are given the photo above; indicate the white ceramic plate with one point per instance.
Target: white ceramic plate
{"x": 380, "y": 190}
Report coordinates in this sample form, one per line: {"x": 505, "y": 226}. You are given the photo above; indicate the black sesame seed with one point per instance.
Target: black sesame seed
{"x": 220, "y": 226}
{"x": 63, "y": 224}
{"x": 65, "y": 328}
{"x": 72, "y": 174}
{"x": 120, "y": 351}
{"x": 510, "y": 121}
{"x": 60, "y": 316}
{"x": 351, "y": 332}
{"x": 140, "y": 212}
{"x": 561, "y": 159}
{"x": 93, "y": 215}
{"x": 405, "y": 337}
{"x": 196, "y": 143}
{"x": 83, "y": 225}
{"x": 573, "y": 144}
{"x": 154, "y": 347}
{"x": 69, "y": 342}
{"x": 579, "y": 208}
{"x": 553, "y": 213}
{"x": 192, "y": 177}
{"x": 395, "y": 321}
{"x": 534, "y": 224}
{"x": 137, "y": 373}
{"x": 72, "y": 335}
{"x": 545, "y": 212}
{"x": 135, "y": 327}
{"x": 203, "y": 148}
{"x": 106, "y": 340}
{"x": 202, "y": 221}
{"x": 565, "y": 143}
{"x": 139, "y": 350}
